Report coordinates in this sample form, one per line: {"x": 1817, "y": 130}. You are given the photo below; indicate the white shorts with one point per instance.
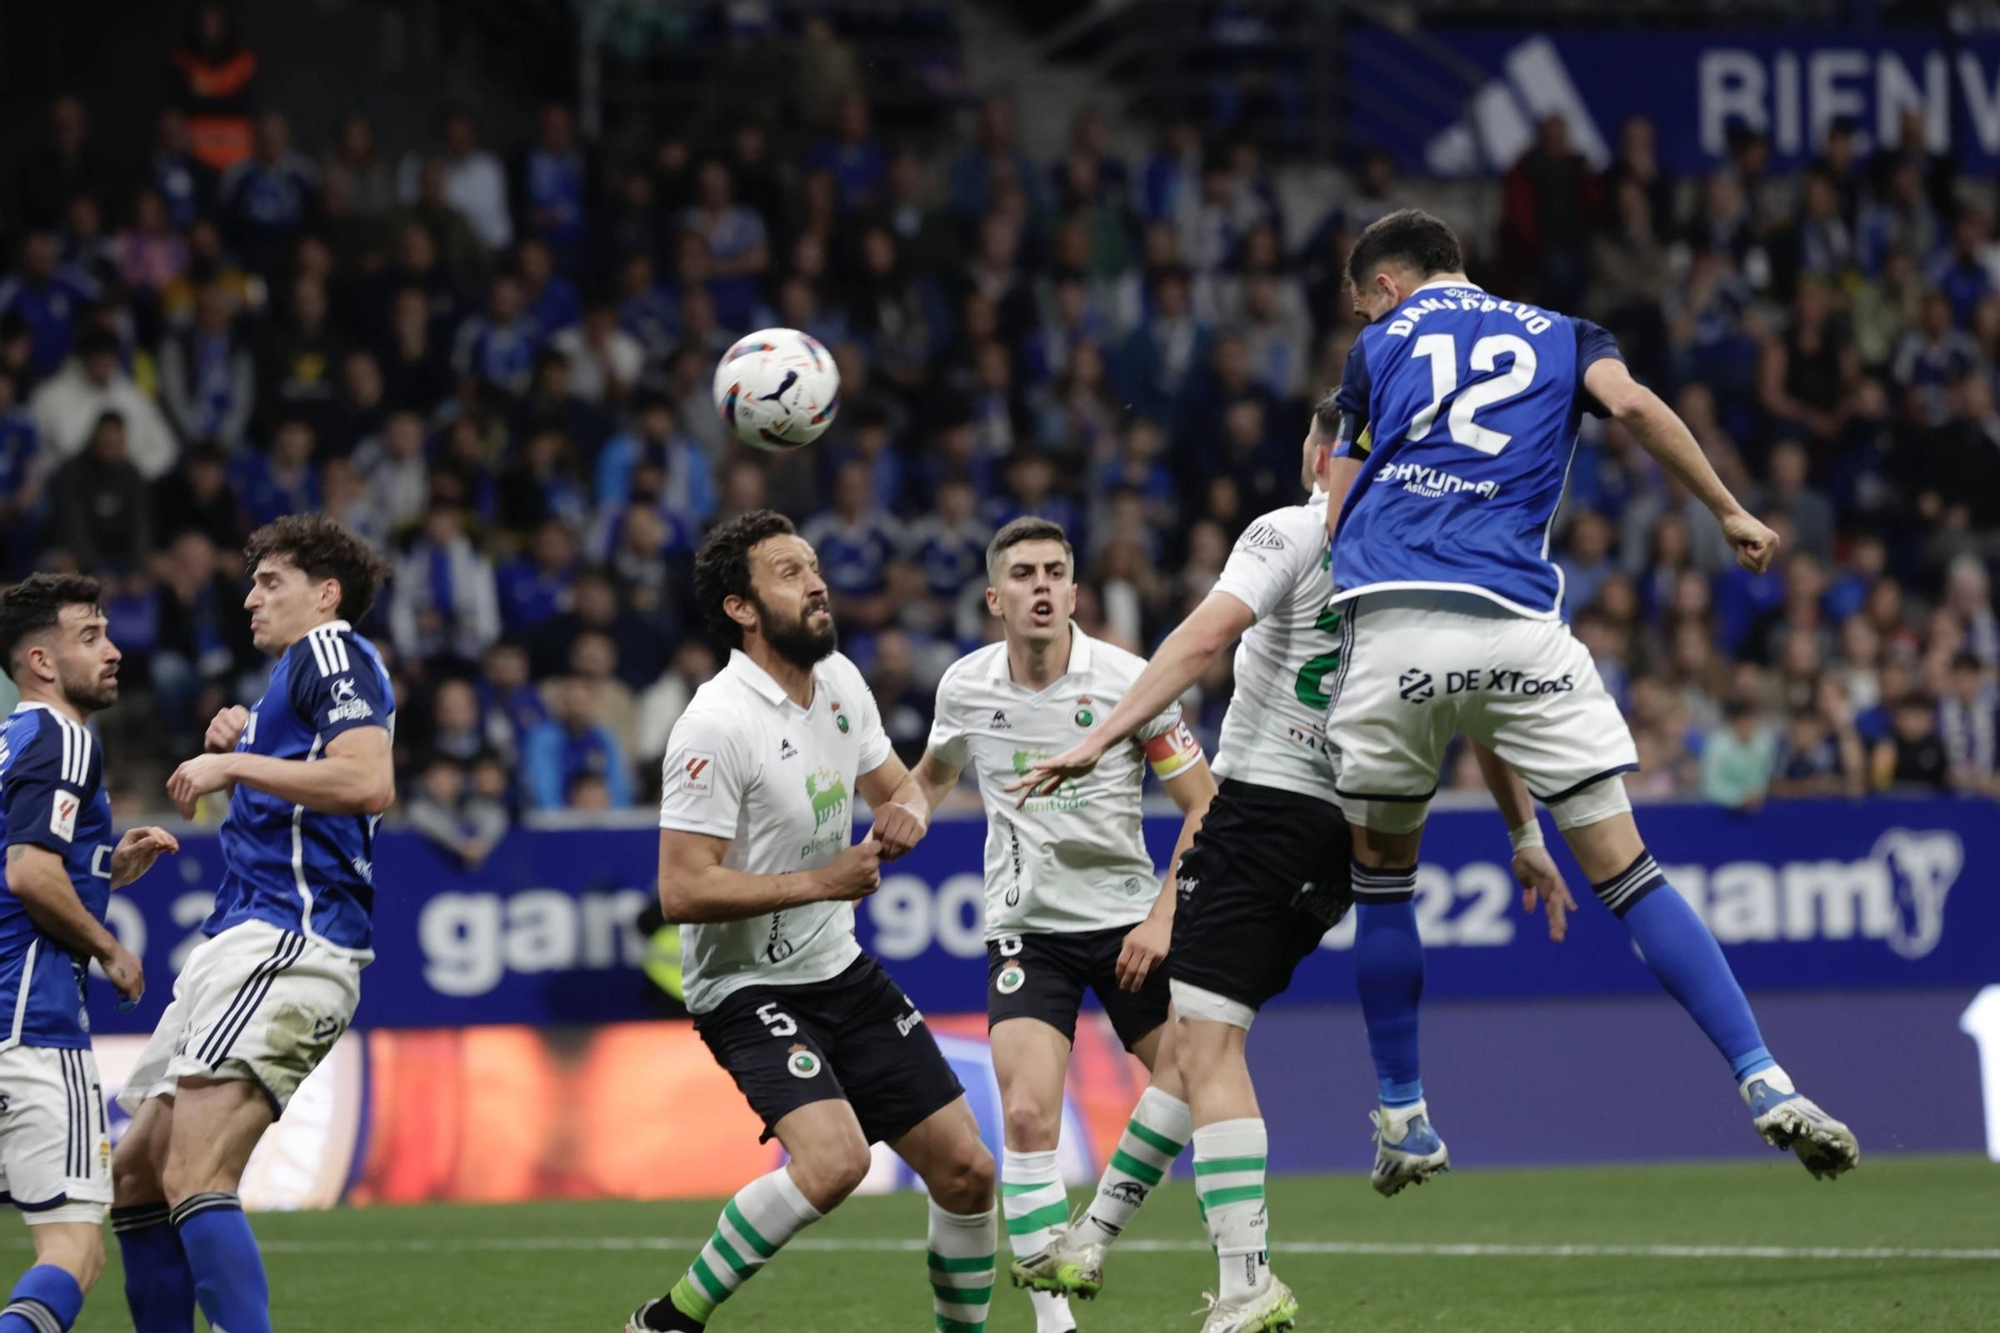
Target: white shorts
{"x": 55, "y": 1143}
{"x": 1418, "y": 668}
{"x": 256, "y": 1003}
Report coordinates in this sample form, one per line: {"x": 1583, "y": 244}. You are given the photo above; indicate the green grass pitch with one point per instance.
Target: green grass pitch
{"x": 1911, "y": 1243}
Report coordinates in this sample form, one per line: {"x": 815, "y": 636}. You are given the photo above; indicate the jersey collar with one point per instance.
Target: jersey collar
{"x": 1079, "y": 656}
{"x": 1450, "y": 282}
{"x": 761, "y": 682}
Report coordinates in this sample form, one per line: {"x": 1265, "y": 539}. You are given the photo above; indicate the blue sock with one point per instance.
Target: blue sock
{"x": 1688, "y": 962}
{"x": 159, "y": 1285}
{"x": 1389, "y": 974}
{"x": 228, "y": 1271}
{"x": 44, "y": 1293}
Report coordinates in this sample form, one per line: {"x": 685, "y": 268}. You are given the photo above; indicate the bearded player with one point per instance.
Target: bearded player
{"x": 759, "y": 868}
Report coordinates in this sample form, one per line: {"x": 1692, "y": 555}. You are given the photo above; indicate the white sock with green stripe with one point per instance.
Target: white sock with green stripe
{"x": 962, "y": 1254}
{"x": 1159, "y": 1129}
{"x": 754, "y": 1225}
{"x": 1229, "y": 1158}
{"x": 1035, "y": 1201}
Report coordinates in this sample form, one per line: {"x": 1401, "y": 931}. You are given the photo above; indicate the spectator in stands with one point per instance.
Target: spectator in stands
{"x": 594, "y": 660}
{"x": 555, "y": 185}
{"x": 69, "y": 408}
{"x": 218, "y": 92}
{"x": 355, "y": 161}
{"x": 67, "y": 166}
{"x": 904, "y": 704}
{"x": 204, "y": 643}
{"x": 283, "y": 481}
{"x": 852, "y": 156}
{"x": 474, "y": 182}
{"x": 102, "y": 519}
{"x": 655, "y": 438}
{"x": 21, "y": 476}
{"x": 1803, "y": 378}
{"x": 299, "y": 358}
{"x": 1637, "y": 164}
{"x": 149, "y": 253}
{"x": 604, "y": 360}
{"x": 1969, "y": 725}
{"x": 550, "y": 299}
{"x": 994, "y": 153}
{"x": 828, "y": 72}
{"x": 1736, "y": 761}
{"x": 497, "y": 347}
{"x": 855, "y": 542}
{"x": 1548, "y": 204}
{"x": 538, "y": 584}
{"x": 270, "y": 195}
{"x": 574, "y": 744}
{"x": 509, "y": 704}
{"x": 446, "y": 809}
{"x": 1162, "y": 354}
{"x": 198, "y": 496}
{"x": 1901, "y": 216}
{"x": 208, "y": 380}
{"x": 666, "y": 699}
{"x": 1810, "y": 512}
{"x": 595, "y": 608}
{"x": 442, "y": 599}
{"x": 1912, "y": 755}
{"x": 48, "y": 298}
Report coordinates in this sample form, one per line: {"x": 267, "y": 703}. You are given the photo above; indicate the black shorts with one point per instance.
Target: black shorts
{"x": 1044, "y": 976}
{"x": 1267, "y": 876}
{"x": 856, "y": 1038}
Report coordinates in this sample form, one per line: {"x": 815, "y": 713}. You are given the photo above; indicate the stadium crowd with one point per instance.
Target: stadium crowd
{"x": 495, "y": 361}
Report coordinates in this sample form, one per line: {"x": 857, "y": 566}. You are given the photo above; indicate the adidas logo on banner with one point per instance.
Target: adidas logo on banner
{"x": 1500, "y": 124}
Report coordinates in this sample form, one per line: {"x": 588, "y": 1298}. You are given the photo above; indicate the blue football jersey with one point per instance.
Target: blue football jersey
{"x": 52, "y": 797}
{"x": 1465, "y": 409}
{"x": 294, "y": 867}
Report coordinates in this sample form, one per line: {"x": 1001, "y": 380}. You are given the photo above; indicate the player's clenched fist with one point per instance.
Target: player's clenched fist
{"x": 226, "y": 729}
{"x": 1753, "y": 543}
{"x": 899, "y": 828}
{"x": 855, "y": 873}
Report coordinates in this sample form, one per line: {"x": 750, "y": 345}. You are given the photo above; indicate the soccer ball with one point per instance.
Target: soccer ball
{"x": 777, "y": 389}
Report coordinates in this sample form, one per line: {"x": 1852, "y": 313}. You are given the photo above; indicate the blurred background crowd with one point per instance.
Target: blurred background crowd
{"x": 492, "y": 355}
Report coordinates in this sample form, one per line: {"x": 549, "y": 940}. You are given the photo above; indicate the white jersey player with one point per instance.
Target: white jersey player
{"x": 1072, "y": 900}
{"x": 1268, "y": 873}
{"x": 756, "y": 820}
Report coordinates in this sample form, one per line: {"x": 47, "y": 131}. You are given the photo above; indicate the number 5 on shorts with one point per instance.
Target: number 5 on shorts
{"x": 779, "y": 1022}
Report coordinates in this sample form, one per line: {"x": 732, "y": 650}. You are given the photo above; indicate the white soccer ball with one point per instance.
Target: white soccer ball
{"x": 777, "y": 389}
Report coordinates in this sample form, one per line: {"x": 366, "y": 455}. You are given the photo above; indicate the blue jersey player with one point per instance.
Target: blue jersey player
{"x": 1459, "y": 413}
{"x": 60, "y": 869}
{"x": 261, "y": 1001}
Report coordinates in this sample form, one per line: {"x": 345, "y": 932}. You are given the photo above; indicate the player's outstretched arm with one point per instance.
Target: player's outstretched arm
{"x": 36, "y": 876}
{"x": 1666, "y": 437}
{"x": 695, "y": 887}
{"x": 356, "y": 775}
{"x": 1196, "y": 642}
{"x": 902, "y": 807}
{"x": 1533, "y": 867}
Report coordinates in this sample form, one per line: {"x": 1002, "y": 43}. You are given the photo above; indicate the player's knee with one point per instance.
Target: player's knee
{"x": 828, "y": 1175}
{"x": 135, "y": 1175}
{"x": 964, "y": 1184}
{"x": 1032, "y": 1125}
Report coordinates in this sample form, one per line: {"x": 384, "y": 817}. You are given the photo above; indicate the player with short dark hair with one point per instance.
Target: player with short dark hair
{"x": 262, "y": 1000}
{"x": 1072, "y": 900}
{"x": 756, "y": 866}
{"x": 1269, "y": 874}
{"x": 60, "y": 869}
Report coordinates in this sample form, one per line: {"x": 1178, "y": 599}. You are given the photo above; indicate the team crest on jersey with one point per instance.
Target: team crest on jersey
{"x": 1011, "y": 979}
{"x": 839, "y": 718}
{"x": 1084, "y": 717}
{"x": 348, "y": 705}
{"x": 802, "y": 1063}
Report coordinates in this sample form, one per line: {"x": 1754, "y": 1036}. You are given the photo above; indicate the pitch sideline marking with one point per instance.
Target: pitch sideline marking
{"x": 1442, "y": 1250}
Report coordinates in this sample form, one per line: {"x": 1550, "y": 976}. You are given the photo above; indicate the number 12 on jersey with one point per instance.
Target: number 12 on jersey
{"x": 1442, "y": 351}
